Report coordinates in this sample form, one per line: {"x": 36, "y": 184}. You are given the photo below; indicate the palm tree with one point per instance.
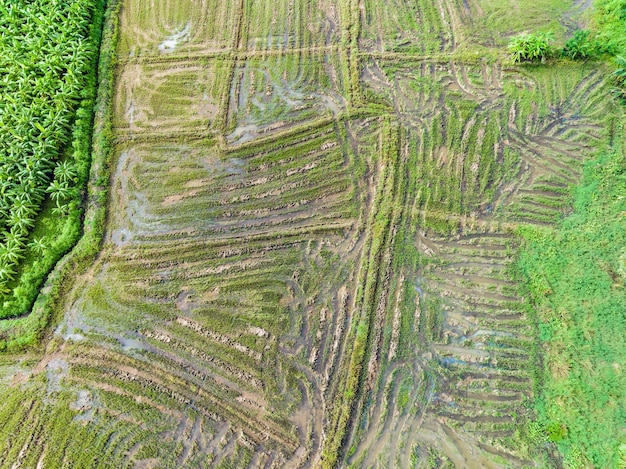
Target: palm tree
{"x": 65, "y": 172}
{"x": 22, "y": 206}
{"x": 10, "y": 254}
{"x": 61, "y": 210}
{"x": 59, "y": 191}
{"x": 7, "y": 273}
{"x": 39, "y": 245}
{"x": 13, "y": 240}
{"x": 19, "y": 223}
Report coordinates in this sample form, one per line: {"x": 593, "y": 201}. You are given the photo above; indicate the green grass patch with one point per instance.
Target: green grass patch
{"x": 576, "y": 277}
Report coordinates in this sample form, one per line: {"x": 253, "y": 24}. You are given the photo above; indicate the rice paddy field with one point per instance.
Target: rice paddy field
{"x": 314, "y": 214}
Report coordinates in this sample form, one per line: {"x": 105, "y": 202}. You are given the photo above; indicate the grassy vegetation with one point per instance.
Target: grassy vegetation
{"x": 383, "y": 219}
{"x": 576, "y": 276}
{"x": 608, "y": 21}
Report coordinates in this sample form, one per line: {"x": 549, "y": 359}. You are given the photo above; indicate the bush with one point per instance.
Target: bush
{"x": 583, "y": 46}
{"x": 532, "y": 47}
{"x": 579, "y": 46}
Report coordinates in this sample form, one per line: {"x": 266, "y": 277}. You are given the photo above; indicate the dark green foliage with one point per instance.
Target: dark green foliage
{"x": 59, "y": 239}
{"x": 581, "y": 46}
{"x": 531, "y": 47}
{"x": 48, "y": 53}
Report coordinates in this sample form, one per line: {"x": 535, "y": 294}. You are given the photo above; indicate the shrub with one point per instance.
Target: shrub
{"x": 579, "y": 46}
{"x": 531, "y": 47}
{"x": 583, "y": 45}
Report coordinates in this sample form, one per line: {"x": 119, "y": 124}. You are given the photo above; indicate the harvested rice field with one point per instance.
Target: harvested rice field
{"x": 314, "y": 212}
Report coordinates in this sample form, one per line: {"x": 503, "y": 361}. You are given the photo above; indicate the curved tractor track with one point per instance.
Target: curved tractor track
{"x": 312, "y": 220}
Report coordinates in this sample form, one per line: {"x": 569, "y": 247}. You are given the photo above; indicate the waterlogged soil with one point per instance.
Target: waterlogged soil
{"x": 268, "y": 204}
